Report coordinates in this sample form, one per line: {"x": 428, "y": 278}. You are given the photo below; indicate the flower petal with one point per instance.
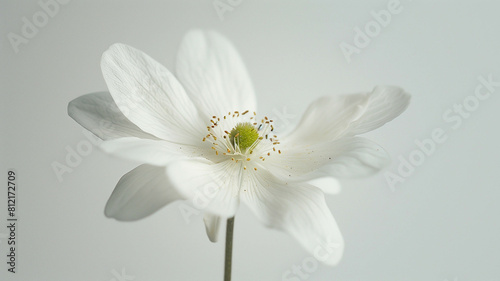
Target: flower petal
{"x": 344, "y": 158}
{"x": 212, "y": 226}
{"x": 299, "y": 210}
{"x": 330, "y": 118}
{"x": 139, "y": 193}
{"x": 154, "y": 152}
{"x": 98, "y": 113}
{"x": 328, "y": 185}
{"x": 149, "y": 95}
{"x": 360, "y": 158}
{"x": 213, "y": 188}
{"x": 213, "y": 74}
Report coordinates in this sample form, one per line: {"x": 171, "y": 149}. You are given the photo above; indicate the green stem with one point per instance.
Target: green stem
{"x": 229, "y": 249}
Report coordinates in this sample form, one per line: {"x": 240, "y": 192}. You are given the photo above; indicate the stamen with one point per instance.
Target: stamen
{"x": 239, "y": 138}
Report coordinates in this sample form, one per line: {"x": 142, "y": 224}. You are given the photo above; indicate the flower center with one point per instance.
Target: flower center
{"x": 243, "y": 135}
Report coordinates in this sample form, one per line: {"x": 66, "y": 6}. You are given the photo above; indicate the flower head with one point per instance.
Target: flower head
{"x": 200, "y": 128}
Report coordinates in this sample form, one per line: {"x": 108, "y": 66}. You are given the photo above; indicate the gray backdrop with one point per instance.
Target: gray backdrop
{"x": 439, "y": 220}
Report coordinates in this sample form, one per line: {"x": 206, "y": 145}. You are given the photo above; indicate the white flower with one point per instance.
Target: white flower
{"x": 199, "y": 128}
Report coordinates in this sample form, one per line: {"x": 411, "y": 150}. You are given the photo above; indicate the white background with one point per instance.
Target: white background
{"x": 441, "y": 223}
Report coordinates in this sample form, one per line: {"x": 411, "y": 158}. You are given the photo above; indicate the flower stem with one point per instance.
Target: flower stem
{"x": 229, "y": 249}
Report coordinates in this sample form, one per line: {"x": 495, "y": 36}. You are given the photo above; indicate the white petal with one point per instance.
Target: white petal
{"x": 360, "y": 158}
{"x": 299, "y": 210}
{"x": 149, "y": 95}
{"x": 328, "y": 185}
{"x": 98, "y": 113}
{"x": 140, "y": 193}
{"x": 212, "y": 226}
{"x": 213, "y": 188}
{"x": 154, "y": 152}
{"x": 344, "y": 158}
{"x": 213, "y": 74}
{"x": 330, "y": 118}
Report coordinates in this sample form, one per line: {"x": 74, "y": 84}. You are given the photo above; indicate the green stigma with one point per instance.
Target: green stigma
{"x": 244, "y": 135}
